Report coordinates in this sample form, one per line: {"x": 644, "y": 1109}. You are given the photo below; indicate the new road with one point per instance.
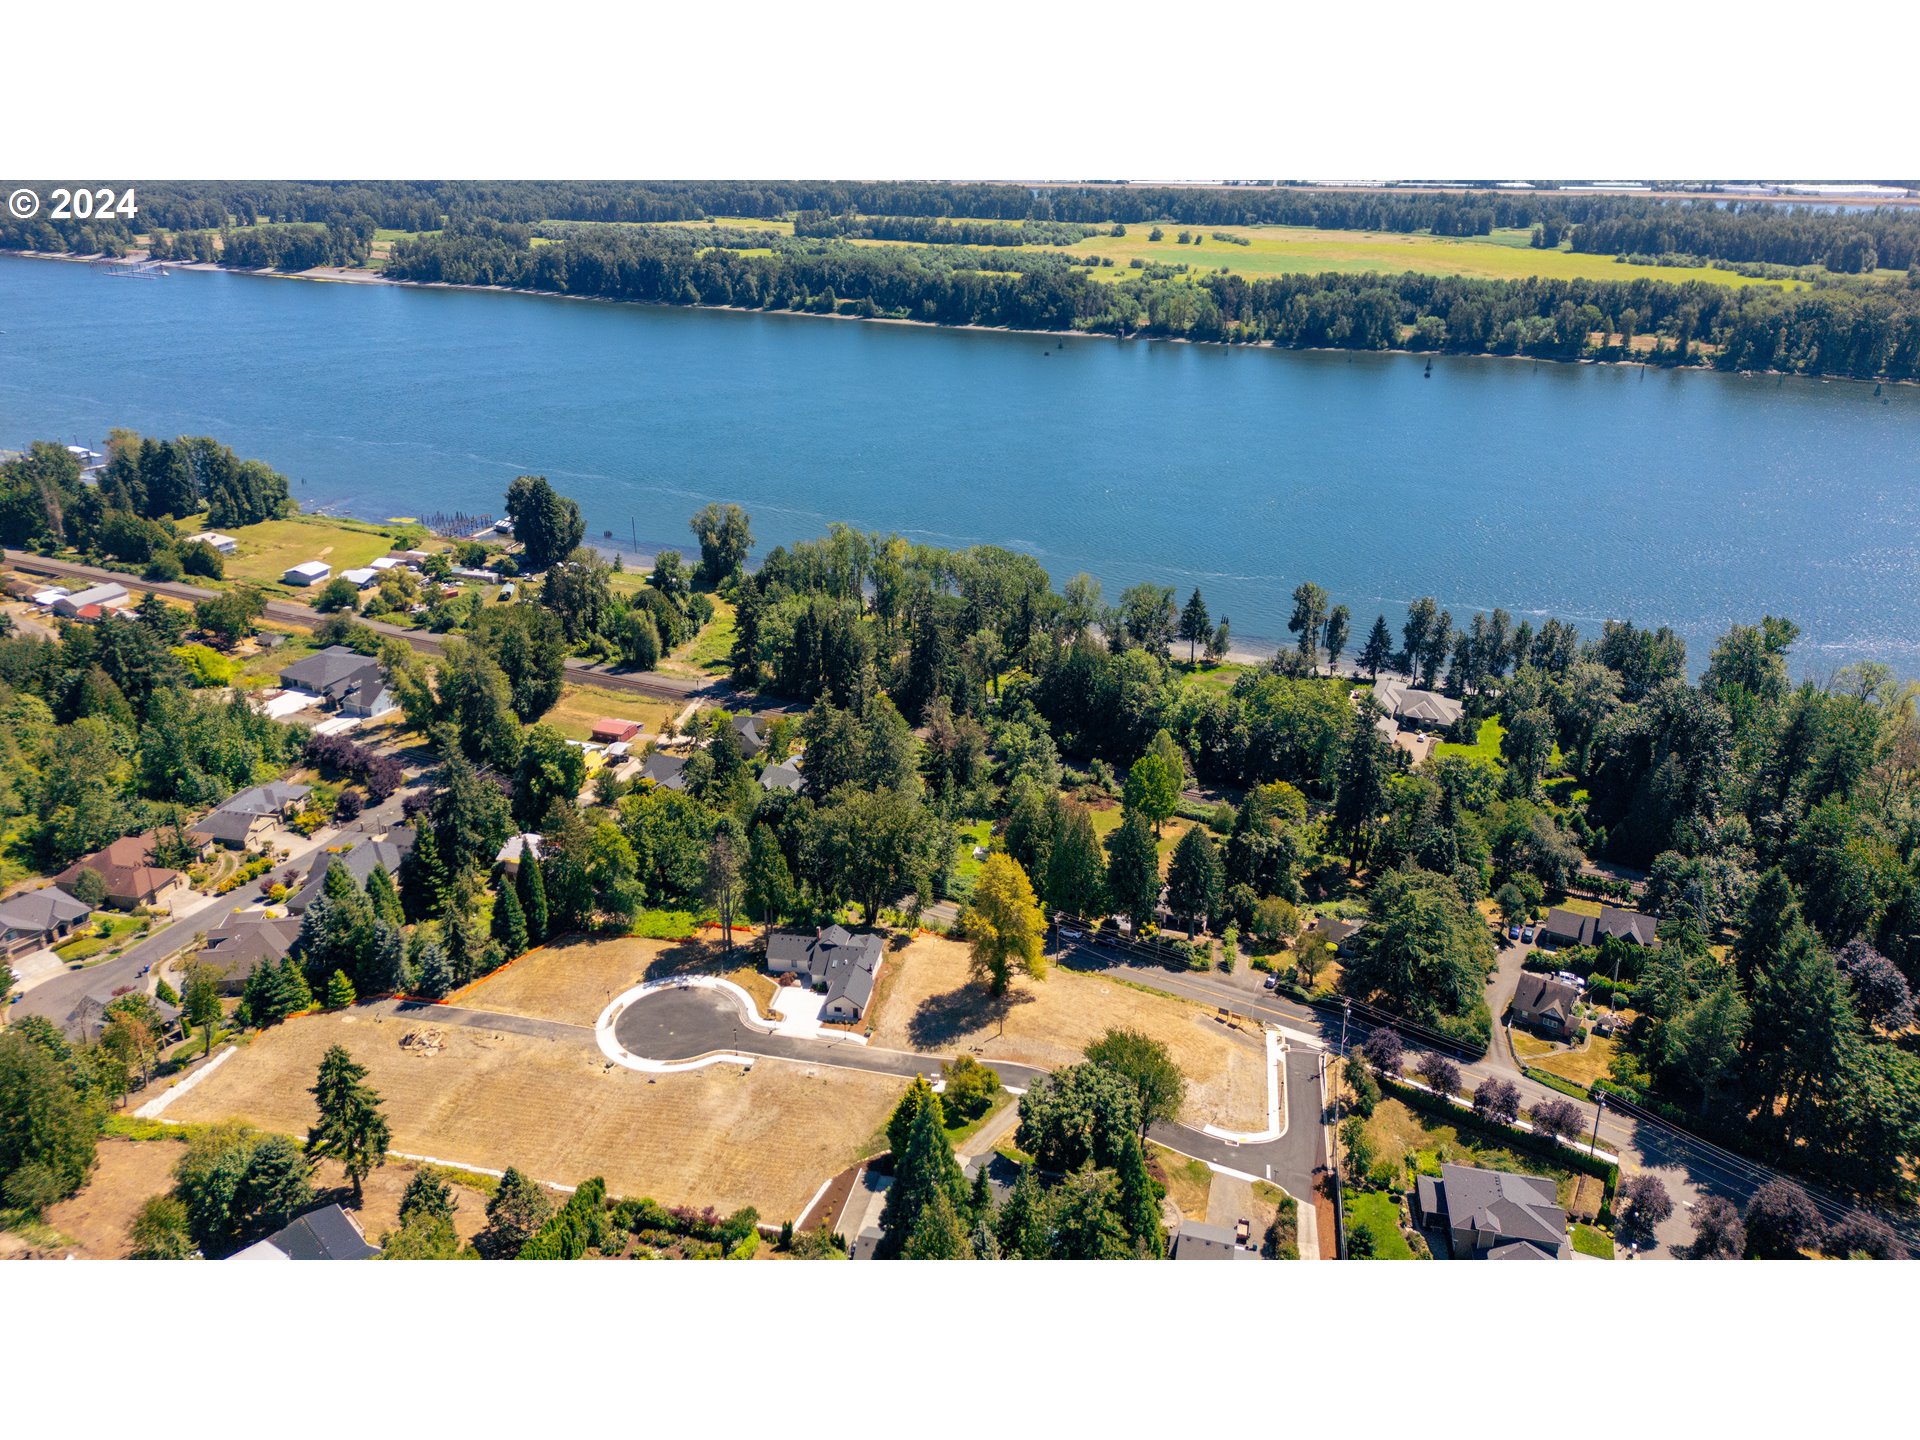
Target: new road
{"x": 292, "y": 612}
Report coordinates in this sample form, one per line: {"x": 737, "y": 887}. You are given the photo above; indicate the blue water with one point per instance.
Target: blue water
{"x": 1582, "y": 491}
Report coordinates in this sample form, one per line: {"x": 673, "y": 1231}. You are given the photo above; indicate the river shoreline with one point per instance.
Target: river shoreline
{"x": 336, "y": 275}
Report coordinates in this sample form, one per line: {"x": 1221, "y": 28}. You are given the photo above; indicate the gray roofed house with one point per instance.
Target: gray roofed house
{"x": 843, "y": 965}
{"x": 349, "y": 682}
{"x": 1487, "y": 1212}
{"x": 752, "y": 738}
{"x": 328, "y": 1233}
{"x": 360, "y": 860}
{"x": 1197, "y": 1241}
{"x": 236, "y": 829}
{"x": 784, "y": 776}
{"x": 37, "y": 918}
{"x": 666, "y": 771}
{"x": 1567, "y": 927}
{"x": 1546, "y": 1003}
{"x": 240, "y": 944}
{"x": 276, "y": 798}
{"x": 1427, "y": 709}
{"x": 89, "y": 1015}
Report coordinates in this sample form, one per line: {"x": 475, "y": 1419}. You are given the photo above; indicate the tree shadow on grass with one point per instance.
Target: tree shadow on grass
{"x": 693, "y": 957}
{"x": 943, "y": 1020}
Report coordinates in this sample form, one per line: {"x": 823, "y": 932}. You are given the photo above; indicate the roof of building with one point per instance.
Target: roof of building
{"x": 1545, "y": 995}
{"x": 1628, "y": 925}
{"x": 1516, "y": 1207}
{"x": 215, "y": 539}
{"x": 1403, "y": 702}
{"x": 337, "y": 674}
{"x": 1197, "y": 1241}
{"x": 313, "y": 569}
{"x": 1518, "y": 1250}
{"x": 784, "y": 776}
{"x": 126, "y": 866}
{"x": 1566, "y": 925}
{"x": 273, "y": 798}
{"x": 846, "y": 964}
{"x": 328, "y": 1233}
{"x": 752, "y": 739}
{"x": 241, "y": 942}
{"x": 230, "y": 827}
{"x": 516, "y": 845}
{"x": 360, "y": 860}
{"x": 34, "y": 912}
{"x": 666, "y": 771}
{"x": 1334, "y": 930}
{"x": 105, "y": 593}
{"x": 360, "y": 575}
{"x": 610, "y": 728}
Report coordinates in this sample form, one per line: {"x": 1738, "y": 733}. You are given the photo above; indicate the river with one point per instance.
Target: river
{"x": 1583, "y": 491}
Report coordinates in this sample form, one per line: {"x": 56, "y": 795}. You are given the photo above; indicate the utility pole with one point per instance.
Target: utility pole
{"x": 1339, "y": 1194}
{"x": 1599, "y": 1109}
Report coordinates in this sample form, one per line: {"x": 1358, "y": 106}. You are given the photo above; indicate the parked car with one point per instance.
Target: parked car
{"x": 1272, "y": 980}
{"x": 1526, "y": 936}
{"x": 1513, "y": 932}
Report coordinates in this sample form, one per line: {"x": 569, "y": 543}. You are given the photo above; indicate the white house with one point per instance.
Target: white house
{"x": 310, "y": 572}
{"x": 225, "y": 544}
{"x": 361, "y": 577}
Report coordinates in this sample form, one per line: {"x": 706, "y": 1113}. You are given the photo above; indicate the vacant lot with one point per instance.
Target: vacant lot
{"x": 573, "y": 981}
{"x": 933, "y": 1007}
{"x": 556, "y": 1109}
{"x": 580, "y": 706}
{"x": 129, "y": 1173}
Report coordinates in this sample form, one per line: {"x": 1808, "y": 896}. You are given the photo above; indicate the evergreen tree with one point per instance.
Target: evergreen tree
{"x": 924, "y": 1169}
{"x": 423, "y": 875}
{"x": 1362, "y": 796}
{"x": 1139, "y": 1203}
{"x": 509, "y": 921}
{"x": 1133, "y": 870}
{"x": 1194, "y": 623}
{"x": 384, "y": 897}
{"x": 339, "y": 991}
{"x": 533, "y": 897}
{"x": 769, "y": 884}
{"x": 1087, "y": 1223}
{"x": 351, "y": 1128}
{"x": 427, "y": 1194}
{"x": 938, "y": 1233}
{"x": 919, "y": 1097}
{"x": 1021, "y": 1226}
{"x": 516, "y": 1212}
{"x": 1194, "y": 878}
{"x": 1337, "y": 633}
{"x": 1308, "y": 620}
{"x": 1076, "y": 871}
{"x": 385, "y": 970}
{"x": 434, "y": 970}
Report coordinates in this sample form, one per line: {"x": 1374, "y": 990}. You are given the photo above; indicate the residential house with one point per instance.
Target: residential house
{"x": 225, "y": 544}
{"x": 308, "y": 572}
{"x": 1196, "y": 1241}
{"x": 345, "y": 680}
{"x": 1422, "y": 709}
{"x": 35, "y": 919}
{"x": 328, "y": 1233}
{"x": 1336, "y": 934}
{"x": 842, "y": 965}
{"x": 1566, "y": 927}
{"x": 98, "y": 598}
{"x": 1545, "y": 1002}
{"x": 666, "y": 771}
{"x": 234, "y": 829}
{"x": 241, "y": 944}
{"x": 612, "y": 732}
{"x": 517, "y": 845}
{"x": 360, "y": 577}
{"x": 1492, "y": 1214}
{"x": 752, "y": 738}
{"x": 361, "y": 858}
{"x": 784, "y": 776}
{"x": 89, "y": 1015}
{"x": 126, "y": 868}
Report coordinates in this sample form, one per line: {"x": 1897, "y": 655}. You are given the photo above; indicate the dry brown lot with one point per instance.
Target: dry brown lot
{"x": 573, "y": 981}
{"x": 556, "y": 1109}
{"x": 127, "y": 1174}
{"x": 931, "y": 1006}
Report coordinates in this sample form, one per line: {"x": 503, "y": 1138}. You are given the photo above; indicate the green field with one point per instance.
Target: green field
{"x": 268, "y": 549}
{"x": 1379, "y": 1213}
{"x": 1591, "y": 1241}
{"x": 1487, "y": 747}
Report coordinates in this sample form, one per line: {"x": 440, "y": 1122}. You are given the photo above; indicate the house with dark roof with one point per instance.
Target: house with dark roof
{"x": 126, "y": 868}
{"x": 666, "y": 771}
{"x": 245, "y": 819}
{"x": 752, "y": 738}
{"x": 346, "y": 681}
{"x": 328, "y": 1233}
{"x": 88, "y": 1018}
{"x": 35, "y": 919}
{"x": 784, "y": 776}
{"x": 842, "y": 966}
{"x": 1545, "y": 1002}
{"x": 241, "y": 944}
{"x": 1197, "y": 1241}
{"x": 360, "y": 859}
{"x": 1492, "y": 1214}
{"x": 1335, "y": 933}
{"x": 1566, "y": 927}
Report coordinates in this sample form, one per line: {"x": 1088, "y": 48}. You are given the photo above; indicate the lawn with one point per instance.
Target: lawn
{"x": 268, "y": 550}
{"x": 1402, "y": 1136}
{"x": 958, "y": 1135}
{"x": 934, "y": 1007}
{"x": 711, "y": 651}
{"x": 1219, "y": 677}
{"x": 1288, "y": 249}
{"x": 556, "y": 1109}
{"x": 1487, "y": 747}
{"x": 1589, "y": 1240}
{"x": 1529, "y": 1046}
{"x": 581, "y": 705}
{"x": 973, "y": 834}
{"x": 1379, "y": 1213}
{"x": 1583, "y": 1067}
{"x": 1106, "y": 819}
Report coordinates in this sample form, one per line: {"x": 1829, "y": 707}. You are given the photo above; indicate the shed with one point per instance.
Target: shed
{"x": 308, "y": 572}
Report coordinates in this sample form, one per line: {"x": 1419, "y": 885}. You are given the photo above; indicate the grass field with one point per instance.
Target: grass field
{"x": 1487, "y": 747}
{"x": 1106, "y": 819}
{"x": 1189, "y": 1182}
{"x": 711, "y": 651}
{"x": 573, "y": 981}
{"x": 269, "y": 549}
{"x": 1589, "y": 1240}
{"x": 931, "y": 1006}
{"x": 1379, "y": 1214}
{"x": 580, "y": 706}
{"x": 1583, "y": 1067}
{"x": 558, "y": 1110}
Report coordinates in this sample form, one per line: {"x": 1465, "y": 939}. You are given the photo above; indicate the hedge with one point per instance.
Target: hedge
{"x": 1511, "y": 1136}
{"x": 1557, "y": 1082}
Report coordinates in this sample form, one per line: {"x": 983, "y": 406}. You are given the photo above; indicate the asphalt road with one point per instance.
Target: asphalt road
{"x": 292, "y": 612}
